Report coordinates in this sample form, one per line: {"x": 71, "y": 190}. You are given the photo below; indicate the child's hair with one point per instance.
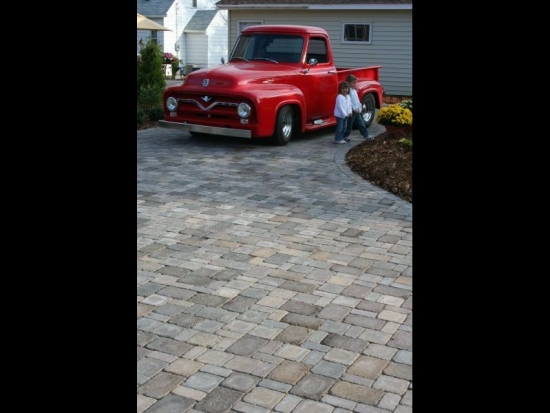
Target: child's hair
{"x": 351, "y": 78}
{"x": 343, "y": 85}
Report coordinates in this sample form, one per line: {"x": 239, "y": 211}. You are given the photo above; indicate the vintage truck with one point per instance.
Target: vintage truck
{"x": 279, "y": 79}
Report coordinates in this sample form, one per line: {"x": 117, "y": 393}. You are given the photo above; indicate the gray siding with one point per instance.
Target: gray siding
{"x": 391, "y": 45}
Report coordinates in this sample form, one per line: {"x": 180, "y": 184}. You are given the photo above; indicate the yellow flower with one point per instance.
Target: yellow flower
{"x": 394, "y": 115}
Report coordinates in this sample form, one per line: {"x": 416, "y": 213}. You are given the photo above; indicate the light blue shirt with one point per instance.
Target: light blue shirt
{"x": 355, "y": 104}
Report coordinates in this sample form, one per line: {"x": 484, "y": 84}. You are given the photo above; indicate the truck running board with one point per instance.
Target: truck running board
{"x": 320, "y": 124}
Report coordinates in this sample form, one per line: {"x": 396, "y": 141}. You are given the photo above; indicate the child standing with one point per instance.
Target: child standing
{"x": 356, "y": 118}
{"x": 342, "y": 111}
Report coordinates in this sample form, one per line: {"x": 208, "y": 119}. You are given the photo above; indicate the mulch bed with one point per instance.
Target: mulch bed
{"x": 384, "y": 162}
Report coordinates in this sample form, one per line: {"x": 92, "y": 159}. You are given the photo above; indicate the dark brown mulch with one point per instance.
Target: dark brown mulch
{"x": 384, "y": 162}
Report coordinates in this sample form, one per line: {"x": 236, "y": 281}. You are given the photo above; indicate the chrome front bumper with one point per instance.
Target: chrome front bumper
{"x": 211, "y": 130}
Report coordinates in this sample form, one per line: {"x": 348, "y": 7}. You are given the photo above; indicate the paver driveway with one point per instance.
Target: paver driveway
{"x": 269, "y": 278}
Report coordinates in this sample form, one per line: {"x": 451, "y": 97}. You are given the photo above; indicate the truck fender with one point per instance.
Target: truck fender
{"x": 269, "y": 105}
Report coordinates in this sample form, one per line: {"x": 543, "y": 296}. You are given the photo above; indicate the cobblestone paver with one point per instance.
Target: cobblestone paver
{"x": 269, "y": 279}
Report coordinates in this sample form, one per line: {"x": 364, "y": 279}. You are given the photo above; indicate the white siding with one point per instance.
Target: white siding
{"x": 205, "y": 4}
{"x": 176, "y": 19}
{"x": 184, "y": 13}
{"x": 167, "y": 39}
{"x": 217, "y": 39}
{"x": 202, "y": 49}
{"x": 196, "y": 46}
{"x": 391, "y": 39}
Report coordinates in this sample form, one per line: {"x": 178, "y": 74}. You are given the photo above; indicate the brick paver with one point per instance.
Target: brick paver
{"x": 293, "y": 335}
{"x": 241, "y": 382}
{"x": 172, "y": 403}
{"x": 264, "y": 397}
{"x": 312, "y": 386}
{"x": 356, "y": 392}
{"x": 219, "y": 400}
{"x": 288, "y": 372}
{"x": 269, "y": 279}
{"x": 160, "y": 385}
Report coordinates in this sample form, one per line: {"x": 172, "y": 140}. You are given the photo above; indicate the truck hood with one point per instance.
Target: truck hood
{"x": 233, "y": 74}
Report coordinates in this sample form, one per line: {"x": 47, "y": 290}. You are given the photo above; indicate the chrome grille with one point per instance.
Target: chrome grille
{"x": 213, "y": 110}
{"x": 212, "y": 106}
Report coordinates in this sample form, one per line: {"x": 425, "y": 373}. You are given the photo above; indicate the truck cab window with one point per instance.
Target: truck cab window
{"x": 317, "y": 49}
{"x": 275, "y": 47}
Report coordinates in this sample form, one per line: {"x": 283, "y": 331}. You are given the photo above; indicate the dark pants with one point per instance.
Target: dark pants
{"x": 341, "y": 125}
{"x": 357, "y": 120}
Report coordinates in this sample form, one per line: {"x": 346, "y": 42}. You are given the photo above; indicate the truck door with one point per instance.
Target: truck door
{"x": 321, "y": 80}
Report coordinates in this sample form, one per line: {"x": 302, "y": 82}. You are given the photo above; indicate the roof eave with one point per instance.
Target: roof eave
{"x": 315, "y": 6}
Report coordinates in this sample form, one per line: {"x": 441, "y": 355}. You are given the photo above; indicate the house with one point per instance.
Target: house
{"x": 199, "y": 33}
{"x": 362, "y": 33}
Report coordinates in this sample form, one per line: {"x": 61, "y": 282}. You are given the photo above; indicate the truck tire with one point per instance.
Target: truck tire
{"x": 284, "y": 127}
{"x": 369, "y": 109}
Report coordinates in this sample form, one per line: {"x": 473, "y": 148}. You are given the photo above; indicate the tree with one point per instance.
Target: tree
{"x": 150, "y": 77}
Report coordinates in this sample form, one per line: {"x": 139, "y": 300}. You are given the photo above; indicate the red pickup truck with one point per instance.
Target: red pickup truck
{"x": 279, "y": 79}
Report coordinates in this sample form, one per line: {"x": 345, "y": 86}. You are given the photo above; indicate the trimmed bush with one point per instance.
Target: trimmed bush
{"x": 156, "y": 113}
{"x": 140, "y": 116}
{"x": 150, "y": 96}
{"x": 150, "y": 78}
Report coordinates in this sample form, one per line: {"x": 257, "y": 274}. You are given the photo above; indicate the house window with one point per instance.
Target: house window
{"x": 194, "y": 4}
{"x": 356, "y": 32}
{"x": 244, "y": 24}
{"x": 154, "y": 36}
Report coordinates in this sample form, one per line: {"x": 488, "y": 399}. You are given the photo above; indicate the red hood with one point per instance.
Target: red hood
{"x": 233, "y": 74}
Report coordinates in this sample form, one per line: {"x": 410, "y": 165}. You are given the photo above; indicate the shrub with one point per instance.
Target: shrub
{"x": 155, "y": 113}
{"x": 150, "y": 96}
{"x": 140, "y": 115}
{"x": 149, "y": 70}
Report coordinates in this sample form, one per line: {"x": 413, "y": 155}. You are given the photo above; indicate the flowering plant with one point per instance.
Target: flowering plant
{"x": 407, "y": 103}
{"x": 394, "y": 115}
{"x": 169, "y": 59}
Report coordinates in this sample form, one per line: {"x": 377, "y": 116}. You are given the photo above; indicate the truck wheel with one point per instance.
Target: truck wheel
{"x": 284, "y": 126}
{"x": 369, "y": 109}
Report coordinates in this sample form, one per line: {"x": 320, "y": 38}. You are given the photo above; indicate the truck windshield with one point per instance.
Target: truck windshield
{"x": 269, "y": 47}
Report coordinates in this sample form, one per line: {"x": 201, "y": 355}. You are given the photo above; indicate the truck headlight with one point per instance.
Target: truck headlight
{"x": 171, "y": 104}
{"x": 243, "y": 110}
